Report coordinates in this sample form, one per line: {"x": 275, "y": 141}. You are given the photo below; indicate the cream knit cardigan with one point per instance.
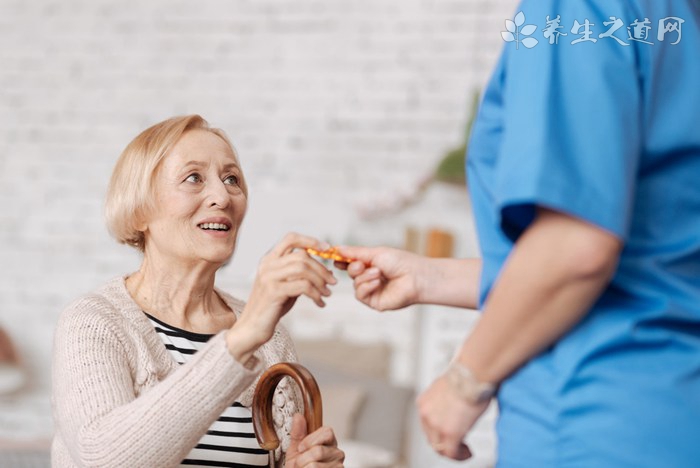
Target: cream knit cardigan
{"x": 120, "y": 400}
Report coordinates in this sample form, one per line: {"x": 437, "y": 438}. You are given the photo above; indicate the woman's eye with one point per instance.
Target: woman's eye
{"x": 231, "y": 180}
{"x": 193, "y": 178}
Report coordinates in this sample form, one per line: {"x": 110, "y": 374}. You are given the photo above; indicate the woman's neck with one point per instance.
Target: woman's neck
{"x": 182, "y": 296}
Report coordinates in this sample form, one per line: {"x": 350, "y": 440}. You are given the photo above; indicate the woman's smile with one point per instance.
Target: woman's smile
{"x": 216, "y": 227}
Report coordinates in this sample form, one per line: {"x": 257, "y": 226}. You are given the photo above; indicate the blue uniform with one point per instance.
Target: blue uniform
{"x": 608, "y": 133}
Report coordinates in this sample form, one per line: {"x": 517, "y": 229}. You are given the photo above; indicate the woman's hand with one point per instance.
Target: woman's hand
{"x": 384, "y": 278}
{"x": 284, "y": 274}
{"x": 320, "y": 448}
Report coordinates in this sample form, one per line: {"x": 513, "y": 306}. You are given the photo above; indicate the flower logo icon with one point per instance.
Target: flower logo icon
{"x": 515, "y": 32}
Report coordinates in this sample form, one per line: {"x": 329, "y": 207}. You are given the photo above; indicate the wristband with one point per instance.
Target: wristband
{"x": 463, "y": 382}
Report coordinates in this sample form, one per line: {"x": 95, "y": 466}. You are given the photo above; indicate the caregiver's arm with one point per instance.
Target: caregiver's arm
{"x": 452, "y": 282}
{"x": 558, "y": 268}
{"x": 388, "y": 279}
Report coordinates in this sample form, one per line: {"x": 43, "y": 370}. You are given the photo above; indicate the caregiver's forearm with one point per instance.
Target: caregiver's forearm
{"x": 451, "y": 282}
{"x": 556, "y": 271}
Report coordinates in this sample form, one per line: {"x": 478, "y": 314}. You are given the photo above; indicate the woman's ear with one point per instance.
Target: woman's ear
{"x": 141, "y": 221}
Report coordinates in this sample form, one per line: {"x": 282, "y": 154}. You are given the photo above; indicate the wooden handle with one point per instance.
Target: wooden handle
{"x": 265, "y": 391}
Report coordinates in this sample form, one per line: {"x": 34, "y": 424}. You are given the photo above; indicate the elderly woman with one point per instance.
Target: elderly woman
{"x": 157, "y": 368}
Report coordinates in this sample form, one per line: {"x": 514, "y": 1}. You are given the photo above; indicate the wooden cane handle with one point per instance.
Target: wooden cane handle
{"x": 265, "y": 391}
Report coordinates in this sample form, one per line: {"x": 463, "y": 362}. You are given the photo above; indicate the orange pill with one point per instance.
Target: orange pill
{"x": 330, "y": 254}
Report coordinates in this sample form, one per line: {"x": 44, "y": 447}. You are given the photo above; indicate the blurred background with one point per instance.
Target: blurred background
{"x": 348, "y": 117}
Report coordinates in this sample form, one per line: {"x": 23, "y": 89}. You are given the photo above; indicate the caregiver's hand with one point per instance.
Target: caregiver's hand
{"x": 446, "y": 419}
{"x": 384, "y": 278}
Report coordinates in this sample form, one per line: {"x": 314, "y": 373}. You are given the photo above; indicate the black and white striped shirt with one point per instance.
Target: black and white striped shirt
{"x": 230, "y": 441}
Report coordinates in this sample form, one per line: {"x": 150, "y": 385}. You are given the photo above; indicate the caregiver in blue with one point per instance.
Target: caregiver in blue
{"x": 584, "y": 174}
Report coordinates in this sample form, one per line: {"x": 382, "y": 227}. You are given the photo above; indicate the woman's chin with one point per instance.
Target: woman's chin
{"x": 220, "y": 258}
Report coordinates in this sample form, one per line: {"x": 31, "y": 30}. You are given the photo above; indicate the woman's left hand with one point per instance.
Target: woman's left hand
{"x": 318, "y": 449}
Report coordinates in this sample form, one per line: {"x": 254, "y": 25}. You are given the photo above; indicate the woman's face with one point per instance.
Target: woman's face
{"x": 199, "y": 201}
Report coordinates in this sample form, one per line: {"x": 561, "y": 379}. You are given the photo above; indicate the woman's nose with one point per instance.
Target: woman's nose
{"x": 217, "y": 194}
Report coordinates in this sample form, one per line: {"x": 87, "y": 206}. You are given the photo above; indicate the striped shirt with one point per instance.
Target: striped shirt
{"x": 230, "y": 441}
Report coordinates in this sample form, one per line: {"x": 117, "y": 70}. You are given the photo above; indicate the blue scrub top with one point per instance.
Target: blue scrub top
{"x": 608, "y": 133}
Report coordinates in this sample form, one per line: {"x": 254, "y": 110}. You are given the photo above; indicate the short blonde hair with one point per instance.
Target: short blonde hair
{"x": 130, "y": 194}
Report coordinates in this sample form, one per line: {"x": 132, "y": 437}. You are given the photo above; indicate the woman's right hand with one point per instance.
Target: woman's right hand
{"x": 384, "y": 278}
{"x": 284, "y": 273}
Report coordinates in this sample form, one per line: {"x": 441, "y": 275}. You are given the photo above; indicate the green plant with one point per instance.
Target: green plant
{"x": 450, "y": 169}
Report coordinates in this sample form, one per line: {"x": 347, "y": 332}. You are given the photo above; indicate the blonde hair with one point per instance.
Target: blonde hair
{"x": 130, "y": 194}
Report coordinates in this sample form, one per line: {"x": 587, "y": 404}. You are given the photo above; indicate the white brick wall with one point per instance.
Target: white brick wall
{"x": 327, "y": 101}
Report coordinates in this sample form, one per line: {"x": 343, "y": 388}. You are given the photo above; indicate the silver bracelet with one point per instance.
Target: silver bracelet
{"x": 462, "y": 380}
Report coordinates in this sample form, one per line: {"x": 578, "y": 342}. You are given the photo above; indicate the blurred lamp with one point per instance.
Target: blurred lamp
{"x": 11, "y": 374}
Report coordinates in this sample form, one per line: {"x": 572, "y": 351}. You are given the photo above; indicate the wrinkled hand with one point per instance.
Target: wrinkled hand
{"x": 284, "y": 274}
{"x": 318, "y": 449}
{"x": 384, "y": 278}
{"x": 446, "y": 419}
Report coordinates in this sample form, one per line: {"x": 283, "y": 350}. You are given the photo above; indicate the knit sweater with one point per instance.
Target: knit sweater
{"x": 120, "y": 400}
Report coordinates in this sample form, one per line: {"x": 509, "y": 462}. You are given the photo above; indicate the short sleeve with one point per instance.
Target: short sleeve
{"x": 572, "y": 121}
